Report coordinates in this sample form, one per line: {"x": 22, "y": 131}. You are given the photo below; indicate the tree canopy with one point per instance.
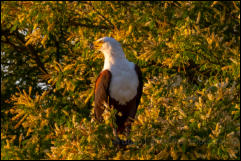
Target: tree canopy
{"x": 189, "y": 54}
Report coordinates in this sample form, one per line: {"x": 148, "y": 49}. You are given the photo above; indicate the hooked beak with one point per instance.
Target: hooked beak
{"x": 96, "y": 45}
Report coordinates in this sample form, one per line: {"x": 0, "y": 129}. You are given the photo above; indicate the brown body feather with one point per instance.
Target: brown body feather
{"x": 128, "y": 111}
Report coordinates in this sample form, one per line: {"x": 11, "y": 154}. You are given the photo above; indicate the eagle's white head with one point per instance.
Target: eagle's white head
{"x": 124, "y": 79}
{"x": 109, "y": 47}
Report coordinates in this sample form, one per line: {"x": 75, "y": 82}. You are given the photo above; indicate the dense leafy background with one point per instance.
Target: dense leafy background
{"x": 189, "y": 53}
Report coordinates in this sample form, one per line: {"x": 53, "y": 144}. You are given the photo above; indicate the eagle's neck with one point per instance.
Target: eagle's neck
{"x": 114, "y": 58}
{"x": 124, "y": 79}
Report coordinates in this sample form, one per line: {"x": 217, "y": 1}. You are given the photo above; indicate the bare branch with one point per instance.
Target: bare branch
{"x": 22, "y": 48}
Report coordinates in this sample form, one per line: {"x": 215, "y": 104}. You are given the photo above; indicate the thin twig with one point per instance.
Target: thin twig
{"x": 90, "y": 4}
{"x": 29, "y": 48}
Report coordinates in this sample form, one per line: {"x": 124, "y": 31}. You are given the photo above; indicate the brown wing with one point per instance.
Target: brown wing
{"x": 140, "y": 86}
{"x": 101, "y": 92}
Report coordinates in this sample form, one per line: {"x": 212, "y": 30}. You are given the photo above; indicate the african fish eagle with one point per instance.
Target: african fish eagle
{"x": 119, "y": 84}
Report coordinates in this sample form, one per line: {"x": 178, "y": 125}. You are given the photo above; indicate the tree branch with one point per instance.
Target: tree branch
{"x": 90, "y": 4}
{"x": 29, "y": 48}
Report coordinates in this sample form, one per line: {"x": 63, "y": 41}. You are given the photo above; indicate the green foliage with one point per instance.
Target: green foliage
{"x": 189, "y": 53}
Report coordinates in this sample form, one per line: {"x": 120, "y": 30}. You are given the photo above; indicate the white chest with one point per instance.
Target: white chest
{"x": 124, "y": 82}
